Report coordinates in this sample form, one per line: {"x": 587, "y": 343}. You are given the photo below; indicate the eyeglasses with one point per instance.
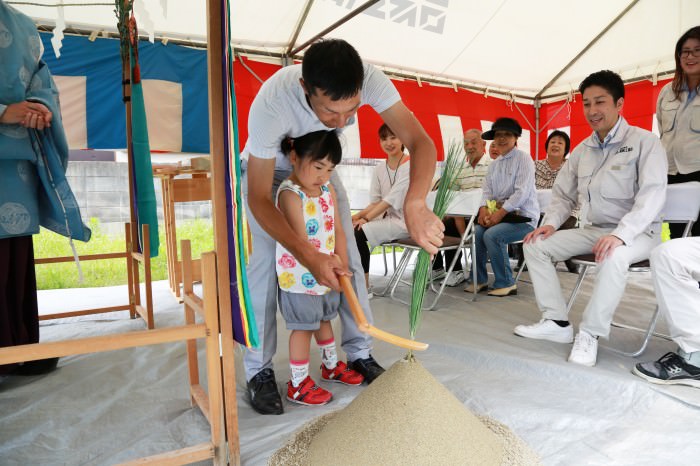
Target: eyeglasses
{"x": 685, "y": 53}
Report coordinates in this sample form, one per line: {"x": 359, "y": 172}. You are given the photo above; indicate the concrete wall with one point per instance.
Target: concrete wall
{"x": 101, "y": 189}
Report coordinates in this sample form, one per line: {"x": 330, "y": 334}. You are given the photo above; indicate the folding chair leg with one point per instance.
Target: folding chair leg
{"x": 520, "y": 271}
{"x": 648, "y": 333}
{"x": 386, "y": 267}
{"x": 403, "y": 264}
{"x": 396, "y": 277}
{"x": 574, "y": 292}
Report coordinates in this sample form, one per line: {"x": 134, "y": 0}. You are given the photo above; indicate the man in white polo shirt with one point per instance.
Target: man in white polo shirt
{"x": 322, "y": 93}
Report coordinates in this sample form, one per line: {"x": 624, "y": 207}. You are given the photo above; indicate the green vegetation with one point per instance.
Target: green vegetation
{"x": 451, "y": 168}
{"x": 113, "y": 271}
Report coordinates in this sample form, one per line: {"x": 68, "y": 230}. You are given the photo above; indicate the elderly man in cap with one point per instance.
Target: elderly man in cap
{"x": 618, "y": 174}
{"x": 509, "y": 208}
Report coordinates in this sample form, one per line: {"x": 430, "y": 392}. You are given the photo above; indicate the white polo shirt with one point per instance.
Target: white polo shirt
{"x": 281, "y": 110}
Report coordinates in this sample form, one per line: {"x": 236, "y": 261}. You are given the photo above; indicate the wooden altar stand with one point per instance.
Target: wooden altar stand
{"x": 179, "y": 184}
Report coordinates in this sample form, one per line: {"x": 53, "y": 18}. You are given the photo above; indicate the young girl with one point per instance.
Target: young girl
{"x": 307, "y": 200}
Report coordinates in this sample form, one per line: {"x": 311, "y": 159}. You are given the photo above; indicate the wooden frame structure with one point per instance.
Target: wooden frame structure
{"x": 218, "y": 403}
{"x": 210, "y": 403}
{"x": 133, "y": 260}
{"x": 219, "y": 216}
{"x": 174, "y": 190}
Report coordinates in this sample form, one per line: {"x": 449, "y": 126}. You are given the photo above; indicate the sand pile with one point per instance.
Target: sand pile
{"x": 406, "y": 417}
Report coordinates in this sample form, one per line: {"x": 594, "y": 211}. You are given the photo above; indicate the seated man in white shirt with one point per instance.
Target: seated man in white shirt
{"x": 618, "y": 175}
{"x": 675, "y": 268}
{"x": 470, "y": 177}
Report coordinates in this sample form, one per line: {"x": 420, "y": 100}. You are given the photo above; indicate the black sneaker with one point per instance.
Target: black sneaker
{"x": 670, "y": 369}
{"x": 368, "y": 367}
{"x": 263, "y": 394}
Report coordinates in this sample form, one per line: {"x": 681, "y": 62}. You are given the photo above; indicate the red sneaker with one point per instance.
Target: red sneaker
{"x": 342, "y": 373}
{"x": 308, "y": 393}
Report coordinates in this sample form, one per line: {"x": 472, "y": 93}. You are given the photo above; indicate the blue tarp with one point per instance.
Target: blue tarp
{"x": 100, "y": 63}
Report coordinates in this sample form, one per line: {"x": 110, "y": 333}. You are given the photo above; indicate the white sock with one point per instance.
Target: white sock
{"x": 329, "y": 356}
{"x": 299, "y": 371}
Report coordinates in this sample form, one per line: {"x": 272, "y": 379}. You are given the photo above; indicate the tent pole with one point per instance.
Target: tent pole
{"x": 215, "y": 57}
{"x": 338, "y": 23}
{"x": 537, "y": 103}
{"x": 587, "y": 47}
{"x": 297, "y": 28}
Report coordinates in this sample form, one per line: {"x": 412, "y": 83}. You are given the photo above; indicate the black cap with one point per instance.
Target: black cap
{"x": 503, "y": 124}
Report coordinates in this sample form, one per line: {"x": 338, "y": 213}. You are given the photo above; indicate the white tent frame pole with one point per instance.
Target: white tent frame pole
{"x": 537, "y": 103}
{"x": 586, "y": 48}
{"x": 335, "y": 25}
{"x": 299, "y": 25}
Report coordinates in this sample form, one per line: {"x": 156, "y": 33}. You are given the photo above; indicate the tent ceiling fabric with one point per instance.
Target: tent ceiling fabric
{"x": 506, "y": 45}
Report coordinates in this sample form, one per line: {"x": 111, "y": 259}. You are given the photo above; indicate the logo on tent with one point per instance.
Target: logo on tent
{"x": 428, "y": 15}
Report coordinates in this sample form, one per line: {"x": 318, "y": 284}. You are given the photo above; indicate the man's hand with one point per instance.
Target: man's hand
{"x": 424, "y": 227}
{"x": 605, "y": 246}
{"x": 27, "y": 114}
{"x": 326, "y": 268}
{"x": 542, "y": 232}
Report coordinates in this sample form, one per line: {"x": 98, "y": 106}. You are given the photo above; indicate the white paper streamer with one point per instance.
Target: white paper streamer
{"x": 57, "y": 39}
{"x": 143, "y": 18}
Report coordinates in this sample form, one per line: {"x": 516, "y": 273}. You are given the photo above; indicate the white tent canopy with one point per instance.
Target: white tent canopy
{"x": 539, "y": 47}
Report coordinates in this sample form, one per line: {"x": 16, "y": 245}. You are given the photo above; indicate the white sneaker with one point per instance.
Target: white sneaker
{"x": 370, "y": 292}
{"x": 585, "y": 350}
{"x": 455, "y": 278}
{"x": 436, "y": 275}
{"x": 546, "y": 329}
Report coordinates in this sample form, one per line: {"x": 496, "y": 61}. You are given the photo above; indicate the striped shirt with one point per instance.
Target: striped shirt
{"x": 472, "y": 177}
{"x": 511, "y": 181}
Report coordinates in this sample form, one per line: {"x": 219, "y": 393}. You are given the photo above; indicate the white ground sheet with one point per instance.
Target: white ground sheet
{"x": 110, "y": 407}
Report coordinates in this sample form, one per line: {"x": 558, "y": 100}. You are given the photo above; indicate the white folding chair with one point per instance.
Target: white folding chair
{"x": 682, "y": 206}
{"x": 450, "y": 243}
{"x": 393, "y": 245}
{"x": 465, "y": 204}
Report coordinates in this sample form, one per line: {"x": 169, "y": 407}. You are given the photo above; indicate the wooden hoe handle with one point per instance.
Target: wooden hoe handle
{"x": 361, "y": 321}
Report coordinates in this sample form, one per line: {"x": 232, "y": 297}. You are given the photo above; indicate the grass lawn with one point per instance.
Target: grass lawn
{"x": 113, "y": 271}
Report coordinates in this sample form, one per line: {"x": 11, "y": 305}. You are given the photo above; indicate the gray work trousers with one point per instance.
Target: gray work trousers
{"x": 611, "y": 276}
